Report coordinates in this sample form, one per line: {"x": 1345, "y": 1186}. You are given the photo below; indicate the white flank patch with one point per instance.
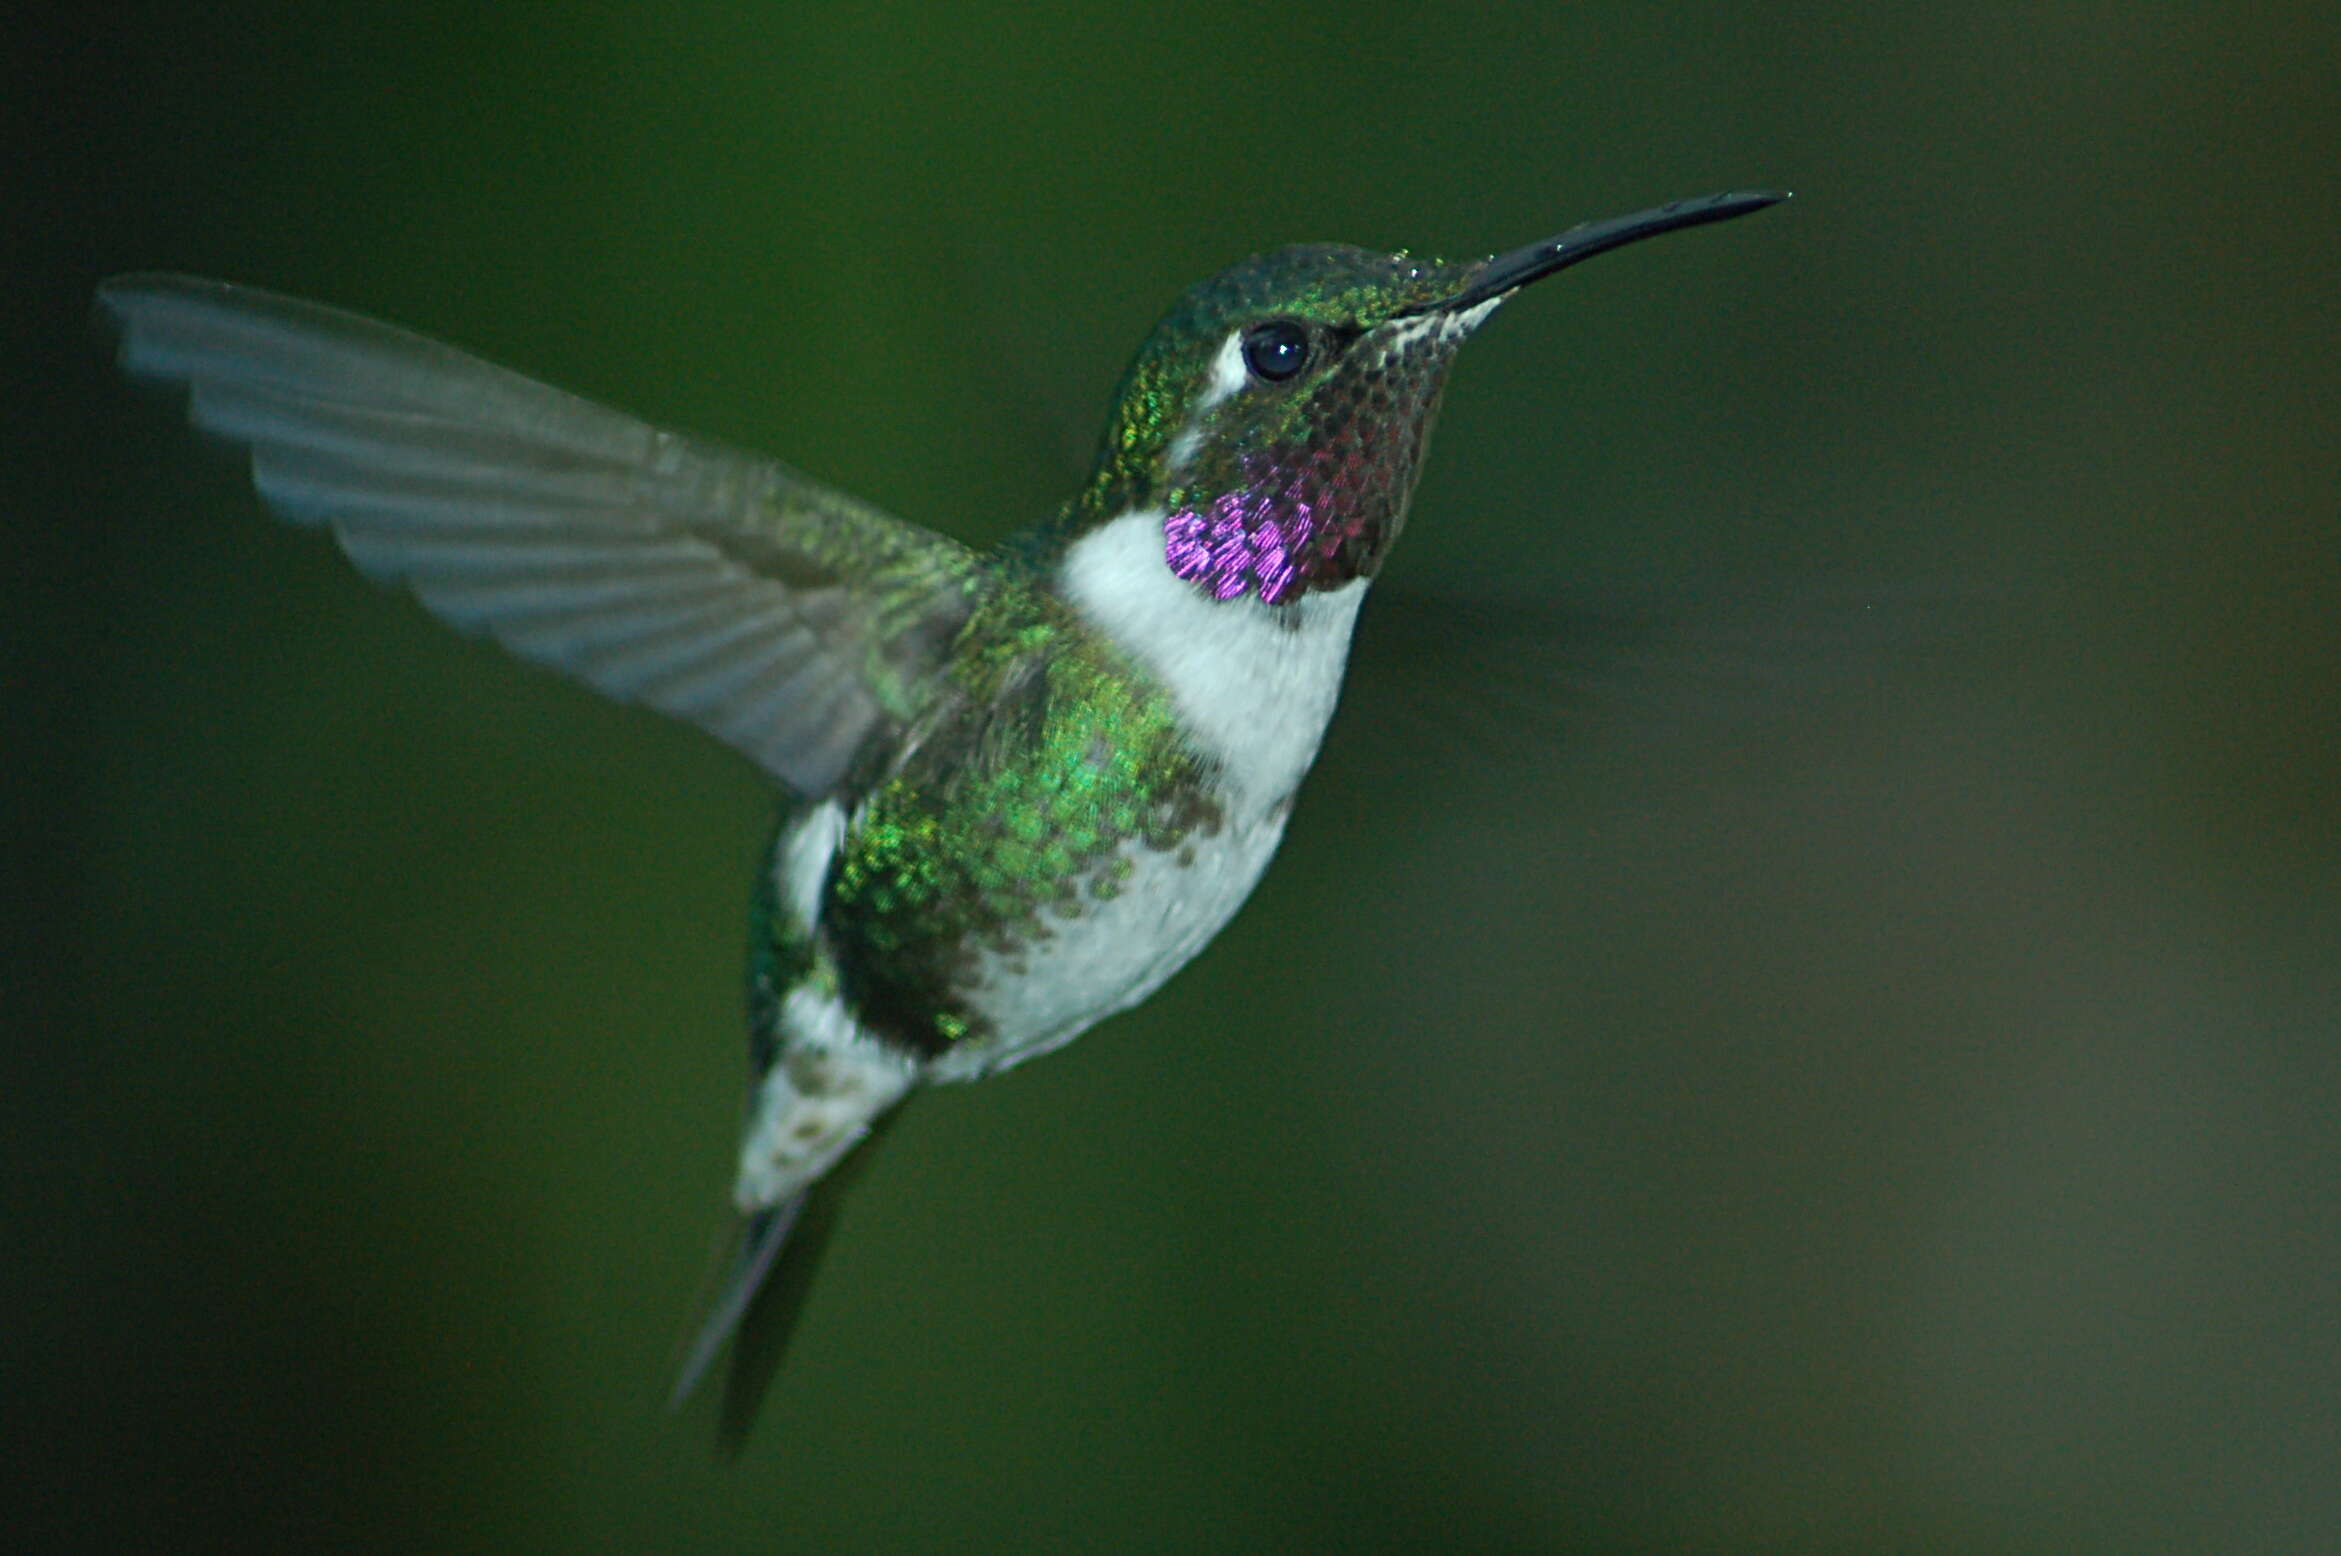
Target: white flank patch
{"x": 802, "y": 868}
{"x": 831, "y": 1080}
{"x": 1254, "y": 684}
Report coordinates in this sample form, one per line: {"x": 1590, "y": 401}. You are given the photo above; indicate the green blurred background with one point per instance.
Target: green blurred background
{"x": 1894, "y": 1113}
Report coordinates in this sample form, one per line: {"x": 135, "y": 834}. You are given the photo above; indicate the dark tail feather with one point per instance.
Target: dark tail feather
{"x": 760, "y": 1301}
{"x": 755, "y": 1247}
{"x": 764, "y": 1329}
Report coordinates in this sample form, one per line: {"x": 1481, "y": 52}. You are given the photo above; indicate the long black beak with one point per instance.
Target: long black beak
{"x": 1509, "y": 272}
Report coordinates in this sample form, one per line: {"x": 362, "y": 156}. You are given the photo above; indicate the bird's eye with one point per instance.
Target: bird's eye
{"x": 1277, "y": 350}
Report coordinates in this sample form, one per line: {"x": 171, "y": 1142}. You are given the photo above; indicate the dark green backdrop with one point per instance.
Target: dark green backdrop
{"x": 1891, "y": 1111}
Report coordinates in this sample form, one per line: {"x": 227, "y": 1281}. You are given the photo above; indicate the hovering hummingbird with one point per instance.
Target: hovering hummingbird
{"x": 1020, "y": 789}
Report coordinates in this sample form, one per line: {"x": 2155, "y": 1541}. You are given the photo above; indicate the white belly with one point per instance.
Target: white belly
{"x": 1117, "y": 951}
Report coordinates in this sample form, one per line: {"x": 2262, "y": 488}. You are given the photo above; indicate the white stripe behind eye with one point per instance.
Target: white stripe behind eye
{"x": 1228, "y": 373}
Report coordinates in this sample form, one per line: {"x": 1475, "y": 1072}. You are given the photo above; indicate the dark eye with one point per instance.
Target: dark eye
{"x": 1277, "y": 350}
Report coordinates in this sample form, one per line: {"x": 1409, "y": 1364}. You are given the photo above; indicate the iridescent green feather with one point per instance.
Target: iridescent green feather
{"x": 1047, "y": 757}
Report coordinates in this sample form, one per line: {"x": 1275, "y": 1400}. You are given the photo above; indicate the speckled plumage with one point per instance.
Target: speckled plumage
{"x": 1024, "y": 787}
{"x": 1041, "y": 758}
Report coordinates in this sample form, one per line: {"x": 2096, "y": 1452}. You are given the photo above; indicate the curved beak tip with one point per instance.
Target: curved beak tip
{"x": 1507, "y": 273}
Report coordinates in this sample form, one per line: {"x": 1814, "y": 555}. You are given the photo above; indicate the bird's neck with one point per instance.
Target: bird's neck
{"x": 1254, "y": 684}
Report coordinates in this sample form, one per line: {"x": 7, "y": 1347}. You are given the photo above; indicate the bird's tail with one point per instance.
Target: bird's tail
{"x": 763, "y": 1294}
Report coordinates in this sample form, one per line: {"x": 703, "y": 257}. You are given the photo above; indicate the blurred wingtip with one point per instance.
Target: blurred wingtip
{"x": 119, "y": 298}
{"x": 1513, "y": 681}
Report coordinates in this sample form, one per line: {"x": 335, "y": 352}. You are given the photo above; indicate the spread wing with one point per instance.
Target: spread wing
{"x": 782, "y": 617}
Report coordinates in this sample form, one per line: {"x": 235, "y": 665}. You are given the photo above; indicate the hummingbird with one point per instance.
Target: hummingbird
{"x": 1019, "y": 788}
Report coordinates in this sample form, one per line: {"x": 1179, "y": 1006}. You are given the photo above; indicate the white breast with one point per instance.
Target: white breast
{"x": 1255, "y": 684}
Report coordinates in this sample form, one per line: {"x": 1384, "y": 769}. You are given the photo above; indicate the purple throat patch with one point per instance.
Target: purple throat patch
{"x": 1245, "y": 542}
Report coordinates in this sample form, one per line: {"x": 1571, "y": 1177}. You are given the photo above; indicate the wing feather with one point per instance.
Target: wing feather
{"x": 783, "y": 617}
